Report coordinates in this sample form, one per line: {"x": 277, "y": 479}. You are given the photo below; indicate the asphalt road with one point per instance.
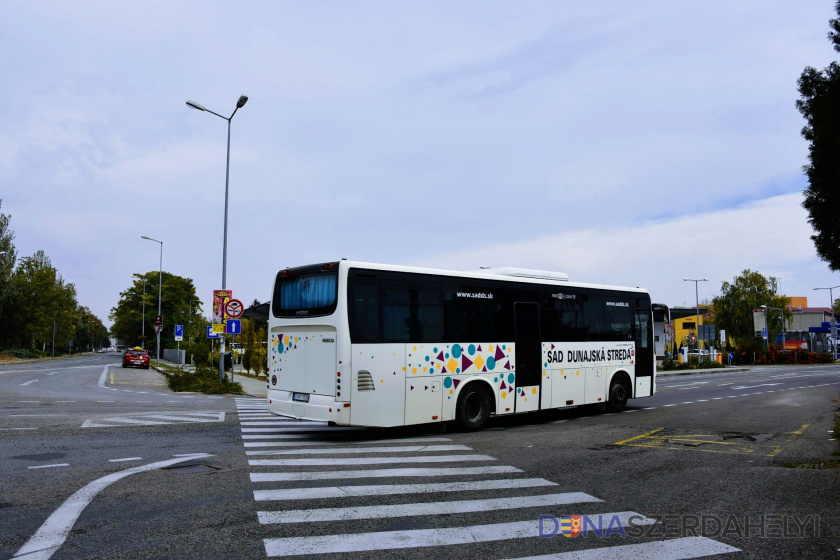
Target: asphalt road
{"x": 705, "y": 449}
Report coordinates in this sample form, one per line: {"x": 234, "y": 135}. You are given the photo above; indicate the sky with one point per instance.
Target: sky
{"x": 631, "y": 144}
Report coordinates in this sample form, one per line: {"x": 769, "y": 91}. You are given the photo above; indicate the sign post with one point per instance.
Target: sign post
{"x": 220, "y": 299}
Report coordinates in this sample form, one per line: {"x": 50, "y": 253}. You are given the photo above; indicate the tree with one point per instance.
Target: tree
{"x": 734, "y": 307}
{"x": 247, "y": 340}
{"x": 820, "y": 105}
{"x": 176, "y": 294}
{"x": 7, "y": 264}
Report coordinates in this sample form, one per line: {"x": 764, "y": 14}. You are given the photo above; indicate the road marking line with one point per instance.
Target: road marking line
{"x": 756, "y": 386}
{"x": 104, "y": 401}
{"x": 421, "y": 508}
{"x": 29, "y": 383}
{"x": 673, "y": 404}
{"x": 650, "y": 408}
{"x": 125, "y": 459}
{"x": 368, "y": 460}
{"x": 717, "y": 398}
{"x": 31, "y": 402}
{"x": 558, "y": 421}
{"x": 381, "y": 473}
{"x": 702, "y": 400}
{"x": 52, "y": 534}
{"x": 385, "y": 540}
{"x": 112, "y": 378}
{"x": 357, "y": 442}
{"x": 402, "y": 449}
{"x": 67, "y": 401}
{"x": 675, "y": 549}
{"x": 49, "y": 466}
{"x": 689, "y": 402}
{"x": 388, "y": 490}
{"x": 632, "y": 410}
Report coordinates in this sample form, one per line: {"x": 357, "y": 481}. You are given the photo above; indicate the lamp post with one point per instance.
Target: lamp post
{"x": 766, "y": 307}
{"x": 160, "y": 283}
{"x": 239, "y": 104}
{"x": 833, "y": 322}
{"x": 143, "y": 326}
{"x": 697, "y": 308}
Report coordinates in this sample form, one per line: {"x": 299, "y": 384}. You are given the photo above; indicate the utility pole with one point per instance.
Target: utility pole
{"x": 697, "y": 309}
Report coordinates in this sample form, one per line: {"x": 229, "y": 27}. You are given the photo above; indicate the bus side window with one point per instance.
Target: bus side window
{"x": 641, "y": 328}
{"x": 396, "y": 315}
{"x": 364, "y": 309}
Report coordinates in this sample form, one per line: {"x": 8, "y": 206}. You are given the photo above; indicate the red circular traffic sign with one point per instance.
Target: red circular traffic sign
{"x": 234, "y": 309}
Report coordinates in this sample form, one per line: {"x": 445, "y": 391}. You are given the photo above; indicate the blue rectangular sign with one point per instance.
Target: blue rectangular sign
{"x": 179, "y": 333}
{"x": 211, "y": 334}
{"x": 234, "y": 326}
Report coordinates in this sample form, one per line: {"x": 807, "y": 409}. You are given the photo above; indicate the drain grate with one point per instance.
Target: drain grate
{"x": 191, "y": 469}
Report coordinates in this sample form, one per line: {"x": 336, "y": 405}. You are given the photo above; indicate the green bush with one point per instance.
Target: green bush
{"x": 203, "y": 380}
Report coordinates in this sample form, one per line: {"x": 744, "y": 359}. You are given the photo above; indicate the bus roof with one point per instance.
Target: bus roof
{"x": 517, "y": 278}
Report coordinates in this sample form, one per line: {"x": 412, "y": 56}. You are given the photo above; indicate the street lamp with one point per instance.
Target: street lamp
{"x": 243, "y": 99}
{"x": 697, "y": 308}
{"x": 160, "y": 283}
{"x": 143, "y": 326}
{"x": 766, "y": 307}
{"x": 833, "y": 322}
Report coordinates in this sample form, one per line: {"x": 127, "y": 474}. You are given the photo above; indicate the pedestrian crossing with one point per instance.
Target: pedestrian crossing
{"x": 316, "y": 491}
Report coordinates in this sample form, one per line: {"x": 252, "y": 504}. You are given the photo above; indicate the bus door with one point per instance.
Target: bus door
{"x": 643, "y": 329}
{"x": 528, "y": 358}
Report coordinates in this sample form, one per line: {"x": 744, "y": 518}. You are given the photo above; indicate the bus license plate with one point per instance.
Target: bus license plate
{"x": 300, "y": 397}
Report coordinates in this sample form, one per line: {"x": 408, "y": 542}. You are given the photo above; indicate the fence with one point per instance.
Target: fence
{"x": 175, "y": 356}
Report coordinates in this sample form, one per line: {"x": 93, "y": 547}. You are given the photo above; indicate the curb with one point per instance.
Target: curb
{"x": 41, "y": 360}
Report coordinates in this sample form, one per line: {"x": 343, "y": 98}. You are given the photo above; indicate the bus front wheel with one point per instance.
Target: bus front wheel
{"x": 619, "y": 393}
{"x": 473, "y": 407}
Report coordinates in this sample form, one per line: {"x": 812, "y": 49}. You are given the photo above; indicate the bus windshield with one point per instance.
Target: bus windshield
{"x": 306, "y": 294}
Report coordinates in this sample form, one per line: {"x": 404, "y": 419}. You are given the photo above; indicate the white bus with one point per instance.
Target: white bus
{"x": 361, "y": 344}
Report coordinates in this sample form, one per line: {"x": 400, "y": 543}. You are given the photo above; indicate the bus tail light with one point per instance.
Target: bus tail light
{"x": 328, "y": 266}
{"x": 346, "y": 405}
{"x": 434, "y": 417}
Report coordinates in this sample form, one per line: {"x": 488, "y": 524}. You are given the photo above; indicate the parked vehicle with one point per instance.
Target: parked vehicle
{"x": 136, "y": 357}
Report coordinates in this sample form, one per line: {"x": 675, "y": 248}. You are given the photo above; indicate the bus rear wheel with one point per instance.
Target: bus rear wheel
{"x": 473, "y": 408}
{"x": 619, "y": 393}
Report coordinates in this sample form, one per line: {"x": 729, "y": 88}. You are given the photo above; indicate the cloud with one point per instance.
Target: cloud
{"x": 767, "y": 235}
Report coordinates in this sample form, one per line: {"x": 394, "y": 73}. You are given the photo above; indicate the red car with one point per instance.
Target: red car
{"x": 136, "y": 357}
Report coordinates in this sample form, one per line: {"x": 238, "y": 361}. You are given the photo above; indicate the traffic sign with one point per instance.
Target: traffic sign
{"x": 234, "y": 309}
{"x": 764, "y": 333}
{"x": 220, "y": 298}
{"x": 731, "y": 355}
{"x": 179, "y": 333}
{"x": 210, "y": 333}
{"x": 234, "y": 326}
{"x": 218, "y": 328}
{"x": 158, "y": 321}
{"x": 157, "y": 328}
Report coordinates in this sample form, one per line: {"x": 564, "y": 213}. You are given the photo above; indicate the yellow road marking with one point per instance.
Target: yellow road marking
{"x": 624, "y": 442}
{"x": 702, "y": 442}
{"x": 112, "y": 378}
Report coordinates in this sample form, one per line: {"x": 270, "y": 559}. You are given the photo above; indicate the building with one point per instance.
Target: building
{"x": 807, "y": 328}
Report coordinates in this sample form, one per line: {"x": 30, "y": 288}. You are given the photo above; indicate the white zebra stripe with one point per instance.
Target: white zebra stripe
{"x": 402, "y": 449}
{"x": 421, "y": 508}
{"x": 387, "y": 540}
{"x": 674, "y": 549}
{"x": 336, "y": 461}
{"x": 343, "y": 442}
{"x": 386, "y": 490}
{"x": 381, "y": 473}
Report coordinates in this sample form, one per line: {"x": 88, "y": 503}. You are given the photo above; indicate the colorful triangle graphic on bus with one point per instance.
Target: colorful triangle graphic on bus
{"x": 440, "y": 357}
{"x": 456, "y": 382}
{"x": 507, "y": 365}
{"x": 503, "y": 387}
{"x": 465, "y": 363}
{"x": 479, "y": 347}
{"x": 499, "y": 353}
